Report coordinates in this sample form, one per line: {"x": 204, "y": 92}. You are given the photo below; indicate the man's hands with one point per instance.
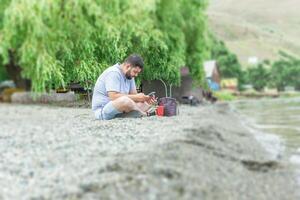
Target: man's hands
{"x": 141, "y": 97}
{"x": 152, "y": 100}
{"x": 147, "y": 103}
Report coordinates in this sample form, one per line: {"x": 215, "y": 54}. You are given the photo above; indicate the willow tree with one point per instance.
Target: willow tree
{"x": 196, "y": 37}
{"x": 58, "y": 41}
{"x": 3, "y": 5}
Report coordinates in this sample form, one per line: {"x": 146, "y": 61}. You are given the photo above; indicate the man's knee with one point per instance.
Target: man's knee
{"x": 124, "y": 103}
{"x": 124, "y": 100}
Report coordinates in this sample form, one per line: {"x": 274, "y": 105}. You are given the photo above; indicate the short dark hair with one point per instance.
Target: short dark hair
{"x": 135, "y": 60}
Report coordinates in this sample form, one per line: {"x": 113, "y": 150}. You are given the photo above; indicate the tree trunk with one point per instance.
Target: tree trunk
{"x": 14, "y": 72}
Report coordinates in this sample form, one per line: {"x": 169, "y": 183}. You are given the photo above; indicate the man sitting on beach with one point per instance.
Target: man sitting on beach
{"x": 115, "y": 91}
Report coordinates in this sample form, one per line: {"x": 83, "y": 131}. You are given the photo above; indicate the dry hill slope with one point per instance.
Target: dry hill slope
{"x": 257, "y": 28}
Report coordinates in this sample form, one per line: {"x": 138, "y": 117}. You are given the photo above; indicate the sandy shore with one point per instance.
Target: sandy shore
{"x": 205, "y": 153}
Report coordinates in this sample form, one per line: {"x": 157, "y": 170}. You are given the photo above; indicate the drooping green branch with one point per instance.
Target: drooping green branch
{"x": 58, "y": 42}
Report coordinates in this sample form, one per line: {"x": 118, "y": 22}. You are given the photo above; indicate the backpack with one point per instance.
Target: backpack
{"x": 170, "y": 104}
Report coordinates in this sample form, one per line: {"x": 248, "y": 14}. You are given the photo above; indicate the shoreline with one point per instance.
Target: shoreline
{"x": 272, "y": 143}
{"x": 204, "y": 153}
{"x": 228, "y": 95}
{"x": 274, "y": 137}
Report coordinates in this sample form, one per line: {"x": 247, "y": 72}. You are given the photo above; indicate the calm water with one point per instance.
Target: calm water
{"x": 279, "y": 117}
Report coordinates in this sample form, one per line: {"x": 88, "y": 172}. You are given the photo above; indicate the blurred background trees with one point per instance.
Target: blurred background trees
{"x": 3, "y": 5}
{"x": 258, "y": 76}
{"x": 279, "y": 74}
{"x": 229, "y": 65}
{"x": 58, "y": 42}
{"x": 286, "y": 72}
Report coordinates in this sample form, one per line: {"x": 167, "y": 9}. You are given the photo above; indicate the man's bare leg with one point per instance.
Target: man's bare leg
{"x": 143, "y": 106}
{"x": 125, "y": 104}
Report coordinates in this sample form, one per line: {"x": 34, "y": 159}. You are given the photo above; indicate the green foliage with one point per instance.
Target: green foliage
{"x": 57, "y": 42}
{"x": 280, "y": 74}
{"x": 258, "y": 76}
{"x": 228, "y": 62}
{"x": 3, "y": 5}
{"x": 283, "y": 72}
{"x": 224, "y": 96}
{"x": 196, "y": 37}
{"x": 286, "y": 72}
{"x": 3, "y": 74}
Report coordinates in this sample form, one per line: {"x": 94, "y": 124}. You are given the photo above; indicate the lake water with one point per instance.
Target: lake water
{"x": 276, "y": 123}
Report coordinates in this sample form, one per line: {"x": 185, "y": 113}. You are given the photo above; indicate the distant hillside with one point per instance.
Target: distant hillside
{"x": 257, "y": 28}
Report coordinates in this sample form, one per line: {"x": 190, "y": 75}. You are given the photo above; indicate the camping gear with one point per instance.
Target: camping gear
{"x": 170, "y": 104}
{"x": 191, "y": 100}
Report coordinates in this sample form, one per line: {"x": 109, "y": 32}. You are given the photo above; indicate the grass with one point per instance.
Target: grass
{"x": 224, "y": 96}
{"x": 289, "y": 94}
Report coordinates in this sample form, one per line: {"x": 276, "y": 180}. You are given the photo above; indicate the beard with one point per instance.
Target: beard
{"x": 127, "y": 75}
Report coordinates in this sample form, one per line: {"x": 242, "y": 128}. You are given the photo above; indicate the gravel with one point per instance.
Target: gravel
{"x": 50, "y": 152}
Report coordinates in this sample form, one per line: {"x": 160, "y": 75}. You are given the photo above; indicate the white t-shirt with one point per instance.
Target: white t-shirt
{"x": 112, "y": 79}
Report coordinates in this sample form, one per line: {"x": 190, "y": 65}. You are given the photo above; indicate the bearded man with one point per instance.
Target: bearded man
{"x": 115, "y": 90}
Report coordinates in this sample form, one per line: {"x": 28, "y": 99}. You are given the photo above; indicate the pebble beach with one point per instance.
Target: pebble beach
{"x": 52, "y": 152}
